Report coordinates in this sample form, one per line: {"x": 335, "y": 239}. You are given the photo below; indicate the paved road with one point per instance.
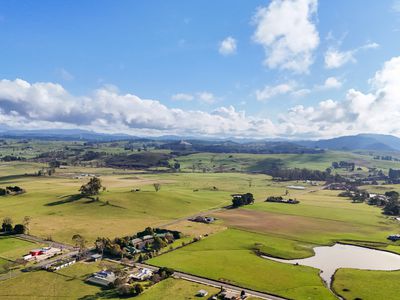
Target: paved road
{"x": 217, "y": 284}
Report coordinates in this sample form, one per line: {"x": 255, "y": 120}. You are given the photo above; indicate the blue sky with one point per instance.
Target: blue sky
{"x": 279, "y": 68}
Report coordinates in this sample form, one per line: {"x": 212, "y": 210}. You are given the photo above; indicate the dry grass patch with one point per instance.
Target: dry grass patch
{"x": 288, "y": 225}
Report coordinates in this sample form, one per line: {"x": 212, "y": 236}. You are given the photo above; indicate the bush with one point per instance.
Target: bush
{"x": 19, "y": 229}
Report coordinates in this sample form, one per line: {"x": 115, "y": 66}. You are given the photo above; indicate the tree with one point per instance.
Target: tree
{"x": 26, "y": 222}
{"x": 124, "y": 289}
{"x": 240, "y": 200}
{"x": 157, "y": 186}
{"x": 138, "y": 289}
{"x": 7, "y": 225}
{"x": 165, "y": 272}
{"x": 155, "y": 278}
{"x": 80, "y": 243}
{"x": 19, "y": 229}
{"x": 158, "y": 243}
{"x": 92, "y": 187}
{"x": 392, "y": 195}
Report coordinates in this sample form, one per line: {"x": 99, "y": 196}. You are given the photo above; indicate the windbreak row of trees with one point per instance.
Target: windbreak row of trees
{"x": 8, "y": 226}
{"x": 304, "y": 174}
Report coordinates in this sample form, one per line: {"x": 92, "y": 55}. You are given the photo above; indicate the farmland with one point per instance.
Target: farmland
{"x": 367, "y": 285}
{"x": 204, "y": 184}
{"x": 228, "y": 256}
{"x": 62, "y": 284}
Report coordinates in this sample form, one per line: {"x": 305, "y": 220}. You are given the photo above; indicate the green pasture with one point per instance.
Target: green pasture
{"x": 67, "y": 283}
{"x": 12, "y": 248}
{"x": 258, "y": 162}
{"x": 367, "y": 285}
{"x": 57, "y": 211}
{"x": 175, "y": 289}
{"x": 228, "y": 256}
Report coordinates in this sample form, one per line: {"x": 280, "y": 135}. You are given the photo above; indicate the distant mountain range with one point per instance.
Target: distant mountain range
{"x": 376, "y": 142}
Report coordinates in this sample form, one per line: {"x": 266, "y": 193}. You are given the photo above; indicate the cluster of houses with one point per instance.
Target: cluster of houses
{"x": 42, "y": 254}
{"x": 138, "y": 245}
{"x": 106, "y": 278}
{"x": 83, "y": 175}
{"x": 203, "y": 219}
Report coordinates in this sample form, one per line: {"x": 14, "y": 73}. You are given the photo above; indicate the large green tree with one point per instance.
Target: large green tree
{"x": 92, "y": 187}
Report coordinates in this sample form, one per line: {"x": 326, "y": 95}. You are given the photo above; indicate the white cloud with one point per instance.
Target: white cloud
{"x": 228, "y": 46}
{"x": 332, "y": 83}
{"x": 372, "y": 45}
{"x": 205, "y": 97}
{"x": 334, "y": 58}
{"x": 272, "y": 91}
{"x": 377, "y": 111}
{"x": 25, "y": 105}
{"x": 182, "y": 97}
{"x": 286, "y": 31}
{"x": 301, "y": 93}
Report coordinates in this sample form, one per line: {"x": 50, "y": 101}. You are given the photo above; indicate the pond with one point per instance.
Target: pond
{"x": 330, "y": 258}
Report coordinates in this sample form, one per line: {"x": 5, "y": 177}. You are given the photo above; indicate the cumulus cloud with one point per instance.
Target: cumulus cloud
{"x": 288, "y": 34}
{"x": 377, "y": 111}
{"x": 331, "y": 83}
{"x": 228, "y": 46}
{"x": 334, "y": 58}
{"x": 25, "y": 105}
{"x": 49, "y": 105}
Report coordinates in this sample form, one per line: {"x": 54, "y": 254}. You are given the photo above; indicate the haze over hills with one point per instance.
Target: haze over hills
{"x": 377, "y": 142}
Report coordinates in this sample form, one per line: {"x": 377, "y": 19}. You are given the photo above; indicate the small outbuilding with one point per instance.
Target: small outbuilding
{"x": 202, "y": 293}
{"x": 96, "y": 257}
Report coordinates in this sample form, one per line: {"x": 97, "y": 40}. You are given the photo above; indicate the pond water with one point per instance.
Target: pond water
{"x": 329, "y": 259}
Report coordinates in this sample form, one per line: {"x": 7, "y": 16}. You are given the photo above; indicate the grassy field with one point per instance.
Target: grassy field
{"x": 175, "y": 289}
{"x": 288, "y": 231}
{"x": 259, "y": 162}
{"x": 57, "y": 212}
{"x": 12, "y": 248}
{"x": 367, "y": 285}
{"x": 320, "y": 218}
{"x": 228, "y": 256}
{"x": 67, "y": 283}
